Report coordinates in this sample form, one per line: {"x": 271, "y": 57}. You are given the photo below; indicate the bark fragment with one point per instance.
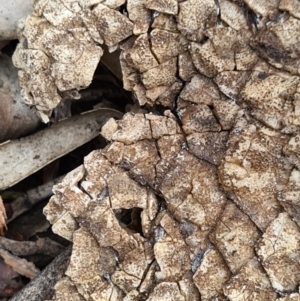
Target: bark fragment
{"x": 58, "y": 51}
{"x": 278, "y": 247}
{"x": 249, "y": 172}
{"x": 211, "y": 275}
{"x": 164, "y": 6}
{"x": 154, "y": 203}
{"x": 168, "y": 290}
{"x": 279, "y": 43}
{"x": 229, "y": 237}
{"x": 270, "y": 98}
{"x": 291, "y": 297}
{"x": 250, "y": 283}
{"x": 289, "y": 196}
{"x": 103, "y": 214}
{"x": 139, "y": 15}
{"x": 194, "y": 16}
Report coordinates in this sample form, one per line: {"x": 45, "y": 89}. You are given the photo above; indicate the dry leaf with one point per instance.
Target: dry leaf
{"x": 3, "y": 217}
{"x": 9, "y": 284}
{"x": 21, "y": 266}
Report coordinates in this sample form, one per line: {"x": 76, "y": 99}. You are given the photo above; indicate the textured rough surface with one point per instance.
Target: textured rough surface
{"x": 59, "y": 48}
{"x": 201, "y": 203}
{"x": 254, "y": 170}
{"x": 289, "y": 196}
{"x": 251, "y": 283}
{"x": 291, "y": 297}
{"x": 279, "y": 247}
{"x": 66, "y": 290}
{"x": 229, "y": 237}
{"x": 211, "y": 275}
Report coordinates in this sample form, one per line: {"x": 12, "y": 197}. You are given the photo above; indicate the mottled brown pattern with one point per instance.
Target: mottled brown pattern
{"x": 201, "y": 203}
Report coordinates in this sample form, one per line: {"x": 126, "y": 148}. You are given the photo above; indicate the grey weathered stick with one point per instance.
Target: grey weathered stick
{"x": 45, "y": 246}
{"x": 42, "y": 287}
{"x": 21, "y": 158}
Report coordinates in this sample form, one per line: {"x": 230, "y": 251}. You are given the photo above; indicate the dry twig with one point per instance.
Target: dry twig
{"x": 42, "y": 287}
{"x": 45, "y": 246}
{"x": 3, "y": 217}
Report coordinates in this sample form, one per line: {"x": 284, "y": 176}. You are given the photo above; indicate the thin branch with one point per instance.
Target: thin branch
{"x": 42, "y": 287}
{"x": 44, "y": 246}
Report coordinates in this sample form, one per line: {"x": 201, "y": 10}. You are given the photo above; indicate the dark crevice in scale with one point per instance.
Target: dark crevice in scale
{"x": 131, "y": 218}
{"x": 196, "y": 261}
{"x": 154, "y": 14}
{"x": 213, "y": 111}
{"x": 141, "y": 295}
{"x": 187, "y": 228}
{"x": 162, "y": 204}
{"x": 10, "y": 48}
{"x": 219, "y": 12}
{"x": 251, "y": 18}
{"x": 150, "y": 48}
{"x": 203, "y": 41}
{"x": 158, "y": 109}
{"x": 123, "y": 10}
{"x": 92, "y": 7}
{"x": 267, "y": 50}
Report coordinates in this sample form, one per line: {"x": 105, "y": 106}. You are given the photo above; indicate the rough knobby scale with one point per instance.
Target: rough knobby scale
{"x": 199, "y": 203}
